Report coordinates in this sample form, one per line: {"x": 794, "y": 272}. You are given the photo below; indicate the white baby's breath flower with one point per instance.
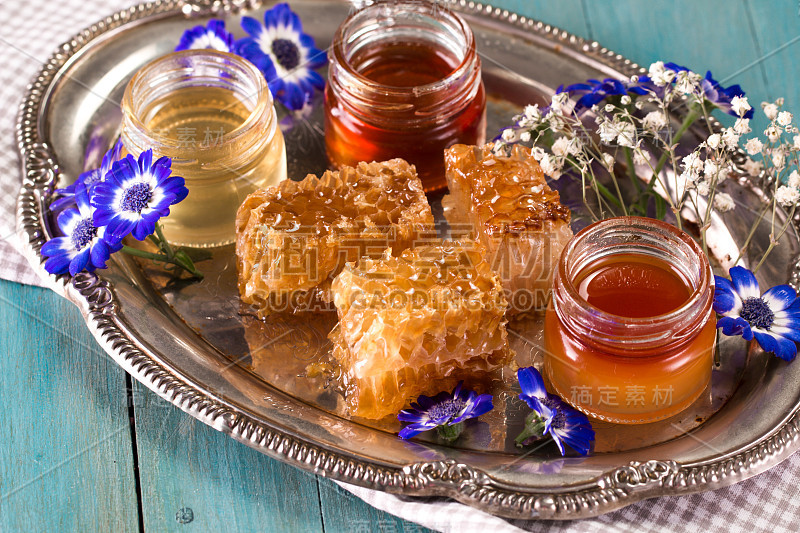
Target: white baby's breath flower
{"x": 538, "y": 153}
{"x": 688, "y": 176}
{"x": 770, "y": 110}
{"x": 739, "y": 105}
{"x": 561, "y": 146}
{"x": 625, "y": 100}
{"x": 796, "y": 142}
{"x": 710, "y": 169}
{"x": 557, "y": 103}
{"x": 555, "y": 121}
{"x": 730, "y": 138}
{"x": 525, "y": 136}
{"x": 532, "y": 112}
{"x": 509, "y": 135}
{"x": 723, "y": 202}
{"x": 772, "y": 133}
{"x": 608, "y": 162}
{"x": 784, "y": 118}
{"x": 787, "y": 196}
{"x": 639, "y": 157}
{"x": 692, "y": 162}
{"x": 742, "y": 126}
{"x": 752, "y": 167}
{"x": 794, "y": 180}
{"x": 686, "y": 82}
{"x": 609, "y": 108}
{"x": 778, "y": 159}
{"x": 627, "y": 135}
{"x": 660, "y": 75}
{"x": 638, "y": 104}
{"x": 654, "y": 121}
{"x": 703, "y": 188}
{"x": 552, "y": 166}
{"x": 714, "y": 141}
{"x": 724, "y": 172}
{"x": 753, "y": 146}
{"x": 607, "y": 132}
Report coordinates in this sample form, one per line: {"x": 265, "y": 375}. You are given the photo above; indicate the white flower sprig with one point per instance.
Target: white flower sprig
{"x": 631, "y": 124}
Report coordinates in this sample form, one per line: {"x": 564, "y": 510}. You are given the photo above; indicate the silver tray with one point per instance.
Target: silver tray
{"x": 187, "y": 342}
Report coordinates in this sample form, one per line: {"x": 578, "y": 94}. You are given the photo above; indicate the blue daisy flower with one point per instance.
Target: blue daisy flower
{"x": 773, "y": 318}
{"x": 213, "y": 36}
{"x": 284, "y": 54}
{"x": 88, "y": 178}
{"x": 84, "y": 245}
{"x": 445, "y": 411}
{"x": 721, "y": 96}
{"x": 552, "y": 416}
{"x": 593, "y": 92}
{"x": 135, "y": 194}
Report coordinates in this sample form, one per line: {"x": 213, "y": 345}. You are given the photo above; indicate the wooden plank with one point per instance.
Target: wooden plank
{"x": 566, "y": 14}
{"x": 712, "y": 35}
{"x": 343, "y": 512}
{"x": 193, "y": 474}
{"x": 66, "y": 458}
{"x": 776, "y": 26}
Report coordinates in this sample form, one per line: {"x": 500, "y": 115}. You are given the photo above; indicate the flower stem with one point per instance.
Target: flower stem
{"x": 774, "y": 241}
{"x": 534, "y": 429}
{"x": 164, "y": 244}
{"x": 449, "y": 433}
{"x": 145, "y": 254}
{"x": 691, "y": 116}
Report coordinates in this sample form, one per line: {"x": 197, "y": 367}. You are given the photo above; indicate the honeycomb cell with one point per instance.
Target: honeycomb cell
{"x": 505, "y": 203}
{"x": 415, "y": 324}
{"x": 291, "y": 240}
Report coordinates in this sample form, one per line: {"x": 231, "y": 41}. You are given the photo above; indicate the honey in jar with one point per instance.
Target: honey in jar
{"x": 404, "y": 81}
{"x": 630, "y": 331}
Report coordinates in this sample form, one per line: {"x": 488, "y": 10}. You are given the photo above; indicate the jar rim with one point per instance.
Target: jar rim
{"x": 428, "y": 8}
{"x": 604, "y": 328}
{"x": 215, "y": 57}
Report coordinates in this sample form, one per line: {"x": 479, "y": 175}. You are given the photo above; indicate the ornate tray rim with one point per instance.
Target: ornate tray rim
{"x": 95, "y": 298}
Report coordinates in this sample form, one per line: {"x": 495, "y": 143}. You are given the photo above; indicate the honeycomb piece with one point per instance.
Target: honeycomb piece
{"x": 415, "y": 324}
{"x": 515, "y": 216}
{"x": 291, "y": 240}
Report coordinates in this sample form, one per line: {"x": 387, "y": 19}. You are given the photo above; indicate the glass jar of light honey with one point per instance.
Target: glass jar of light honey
{"x": 630, "y": 331}
{"x": 212, "y": 113}
{"x": 404, "y": 81}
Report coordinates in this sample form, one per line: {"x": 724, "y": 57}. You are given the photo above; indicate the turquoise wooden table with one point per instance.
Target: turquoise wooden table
{"x": 83, "y": 448}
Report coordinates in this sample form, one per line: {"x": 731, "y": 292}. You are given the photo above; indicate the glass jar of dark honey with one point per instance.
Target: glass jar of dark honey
{"x": 404, "y": 81}
{"x": 630, "y": 330}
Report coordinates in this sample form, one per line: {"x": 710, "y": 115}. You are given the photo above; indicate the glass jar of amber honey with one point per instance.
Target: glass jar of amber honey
{"x": 404, "y": 81}
{"x": 630, "y": 331}
{"x": 212, "y": 113}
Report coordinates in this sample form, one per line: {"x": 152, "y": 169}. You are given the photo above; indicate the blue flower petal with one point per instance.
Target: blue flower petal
{"x": 446, "y": 408}
{"x": 780, "y": 346}
{"x": 58, "y": 264}
{"x": 409, "y": 431}
{"x": 733, "y": 326}
{"x": 788, "y": 327}
{"x": 780, "y": 297}
{"x": 252, "y": 26}
{"x": 80, "y": 261}
{"x": 725, "y": 298}
{"x": 531, "y": 382}
{"x": 744, "y": 283}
